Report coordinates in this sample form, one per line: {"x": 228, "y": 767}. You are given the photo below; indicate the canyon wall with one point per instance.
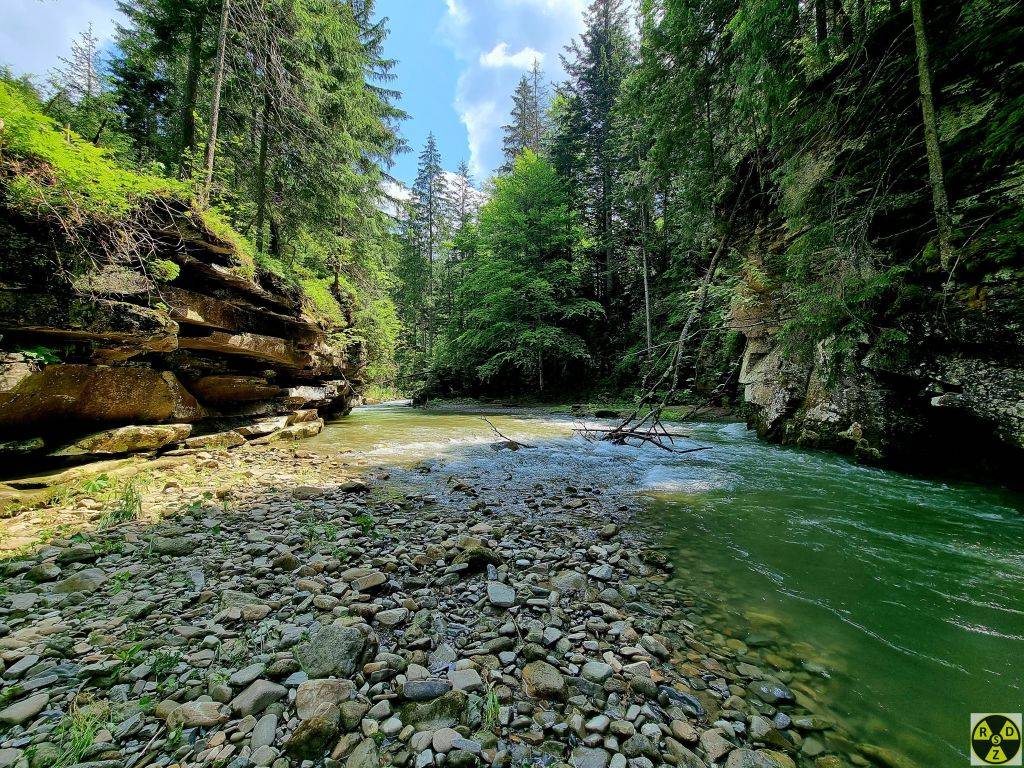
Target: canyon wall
{"x": 858, "y": 336}
{"x": 186, "y": 348}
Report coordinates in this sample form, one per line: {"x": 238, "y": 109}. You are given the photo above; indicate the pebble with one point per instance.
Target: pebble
{"x": 21, "y": 711}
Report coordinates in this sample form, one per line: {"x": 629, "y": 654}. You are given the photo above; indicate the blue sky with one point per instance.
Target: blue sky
{"x": 459, "y": 60}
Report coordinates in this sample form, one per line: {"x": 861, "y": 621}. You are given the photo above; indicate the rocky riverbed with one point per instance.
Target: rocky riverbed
{"x": 275, "y": 607}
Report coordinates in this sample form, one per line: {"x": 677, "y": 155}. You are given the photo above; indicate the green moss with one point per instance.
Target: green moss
{"x": 322, "y": 301}
{"x": 54, "y": 173}
{"x": 165, "y": 270}
{"x": 244, "y": 252}
{"x": 57, "y": 170}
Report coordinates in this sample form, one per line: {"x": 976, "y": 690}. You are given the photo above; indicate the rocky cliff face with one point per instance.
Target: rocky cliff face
{"x": 942, "y": 390}
{"x": 118, "y": 360}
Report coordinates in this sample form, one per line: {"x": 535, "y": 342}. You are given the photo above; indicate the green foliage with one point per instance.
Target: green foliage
{"x": 378, "y": 326}
{"x": 119, "y": 582}
{"x": 77, "y": 732}
{"x": 162, "y": 666}
{"x": 323, "y": 302}
{"x": 56, "y": 170}
{"x": 366, "y": 523}
{"x": 41, "y": 354}
{"x": 492, "y": 711}
{"x": 299, "y": 158}
{"x": 128, "y": 507}
{"x": 165, "y": 270}
{"x": 519, "y": 294}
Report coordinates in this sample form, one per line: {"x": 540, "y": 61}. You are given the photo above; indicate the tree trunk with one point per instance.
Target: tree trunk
{"x": 841, "y": 22}
{"x": 261, "y": 174}
{"x": 188, "y": 106}
{"x": 429, "y": 313}
{"x": 218, "y": 83}
{"x": 99, "y": 131}
{"x": 644, "y": 216}
{"x": 275, "y": 237}
{"x": 940, "y": 201}
{"x": 820, "y": 22}
{"x": 606, "y": 234}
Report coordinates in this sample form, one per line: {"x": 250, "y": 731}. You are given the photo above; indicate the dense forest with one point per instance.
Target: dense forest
{"x": 873, "y": 147}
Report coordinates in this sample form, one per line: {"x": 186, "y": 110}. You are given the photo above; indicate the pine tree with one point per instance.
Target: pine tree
{"x": 80, "y": 78}
{"x": 541, "y": 103}
{"x": 462, "y": 244}
{"x": 516, "y": 133}
{"x": 598, "y": 64}
{"x": 430, "y": 201}
{"x": 528, "y": 128}
{"x": 82, "y": 99}
{"x": 164, "y": 49}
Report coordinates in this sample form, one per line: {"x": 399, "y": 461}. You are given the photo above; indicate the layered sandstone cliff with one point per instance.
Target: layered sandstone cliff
{"x": 118, "y": 360}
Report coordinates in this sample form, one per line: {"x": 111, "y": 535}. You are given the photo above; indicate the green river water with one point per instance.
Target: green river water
{"x": 905, "y": 594}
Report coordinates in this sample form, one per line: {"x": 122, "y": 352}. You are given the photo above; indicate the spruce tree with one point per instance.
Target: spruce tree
{"x": 597, "y": 64}
{"x": 80, "y": 76}
{"x": 430, "y": 201}
{"x": 528, "y": 126}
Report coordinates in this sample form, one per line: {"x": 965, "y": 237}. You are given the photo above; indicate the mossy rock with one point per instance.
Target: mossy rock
{"x": 478, "y": 558}
{"x": 445, "y": 711}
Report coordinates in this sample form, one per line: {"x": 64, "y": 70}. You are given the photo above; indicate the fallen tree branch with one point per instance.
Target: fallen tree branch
{"x": 656, "y": 435}
{"x": 513, "y": 444}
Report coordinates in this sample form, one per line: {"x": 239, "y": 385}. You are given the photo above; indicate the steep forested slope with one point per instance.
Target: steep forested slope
{"x": 859, "y": 337}
{"x": 125, "y": 305}
{"x": 195, "y": 246}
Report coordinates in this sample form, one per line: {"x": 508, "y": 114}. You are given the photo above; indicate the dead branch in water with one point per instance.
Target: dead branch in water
{"x": 513, "y": 444}
{"x": 656, "y": 435}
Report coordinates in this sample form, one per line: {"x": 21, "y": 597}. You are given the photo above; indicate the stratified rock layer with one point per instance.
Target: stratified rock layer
{"x": 217, "y": 348}
{"x": 949, "y": 392}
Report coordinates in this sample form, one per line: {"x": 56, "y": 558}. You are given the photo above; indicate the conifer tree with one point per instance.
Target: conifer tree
{"x": 80, "y": 76}
{"x": 528, "y": 126}
{"x": 430, "y": 197}
{"x": 597, "y": 64}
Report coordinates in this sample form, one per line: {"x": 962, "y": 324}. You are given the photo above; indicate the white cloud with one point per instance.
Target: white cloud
{"x": 393, "y": 195}
{"x": 496, "y": 40}
{"x": 483, "y": 120}
{"x": 456, "y": 12}
{"x": 35, "y": 33}
{"x": 499, "y": 56}
{"x": 474, "y": 197}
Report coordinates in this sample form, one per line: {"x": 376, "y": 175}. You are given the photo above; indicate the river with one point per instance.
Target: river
{"x": 903, "y": 597}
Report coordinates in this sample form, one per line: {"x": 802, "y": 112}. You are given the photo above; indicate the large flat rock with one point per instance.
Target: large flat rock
{"x": 60, "y": 393}
{"x": 230, "y": 312}
{"x": 131, "y": 328}
{"x": 268, "y": 349}
{"x": 221, "y": 389}
{"x": 130, "y": 439}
